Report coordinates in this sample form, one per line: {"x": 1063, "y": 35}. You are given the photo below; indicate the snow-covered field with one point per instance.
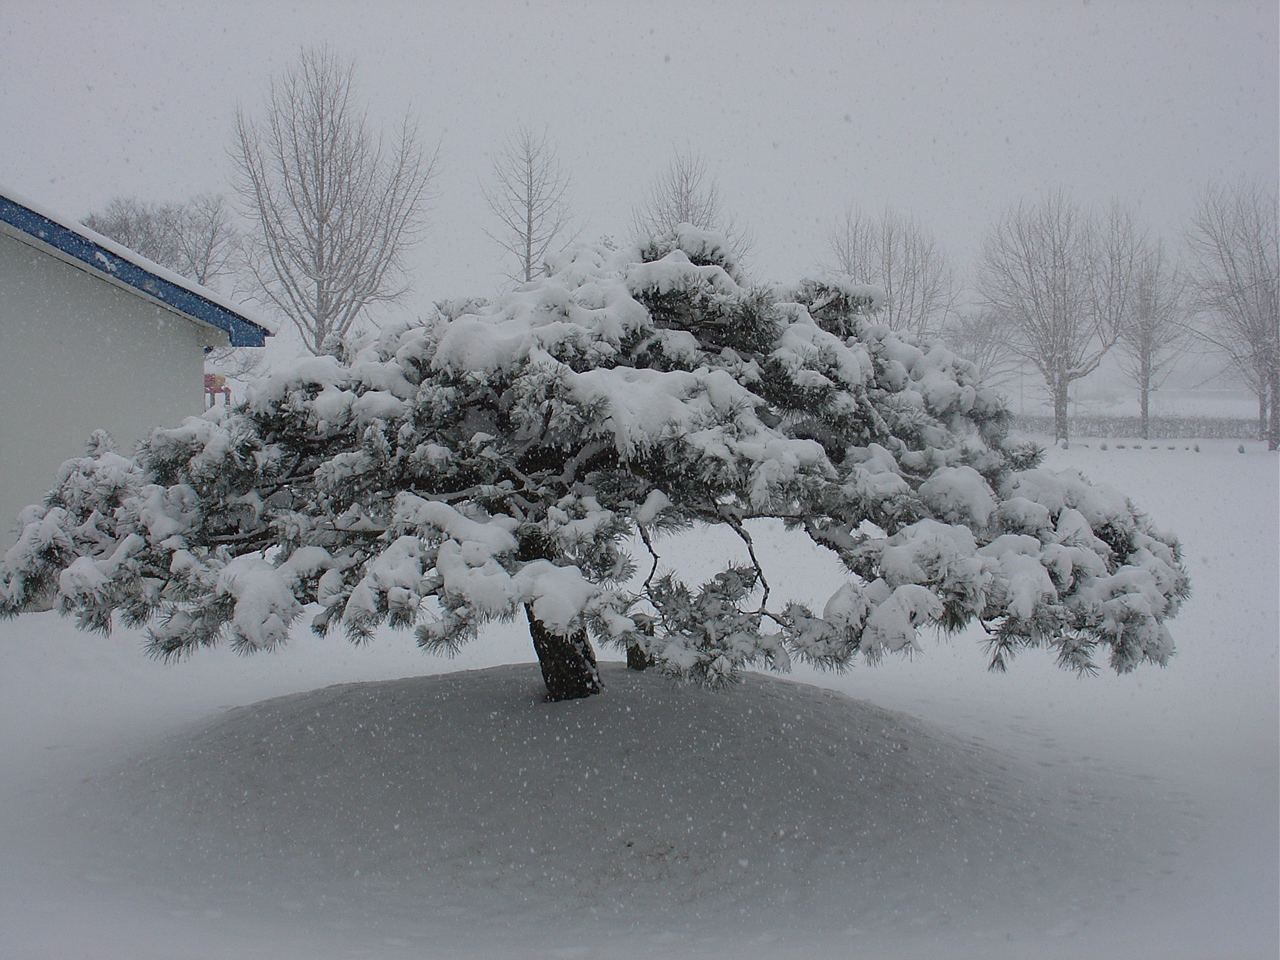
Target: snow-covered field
{"x": 937, "y": 810}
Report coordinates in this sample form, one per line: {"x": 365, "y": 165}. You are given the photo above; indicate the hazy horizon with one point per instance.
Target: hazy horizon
{"x": 949, "y": 113}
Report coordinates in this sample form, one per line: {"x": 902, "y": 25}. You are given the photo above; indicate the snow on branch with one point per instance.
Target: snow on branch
{"x": 509, "y": 455}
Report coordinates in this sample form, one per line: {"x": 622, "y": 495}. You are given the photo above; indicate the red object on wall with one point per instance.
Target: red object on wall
{"x": 215, "y": 384}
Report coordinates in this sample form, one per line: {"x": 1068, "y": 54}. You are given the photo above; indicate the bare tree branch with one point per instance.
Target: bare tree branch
{"x": 982, "y": 338}
{"x": 1155, "y": 335}
{"x": 687, "y": 193}
{"x": 1233, "y": 244}
{"x": 1060, "y": 280}
{"x": 528, "y": 198}
{"x": 143, "y": 226}
{"x": 334, "y": 206}
{"x": 897, "y": 254}
{"x": 197, "y": 238}
{"x": 207, "y": 240}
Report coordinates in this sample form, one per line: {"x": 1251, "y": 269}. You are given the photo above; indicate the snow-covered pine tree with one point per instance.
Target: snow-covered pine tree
{"x": 506, "y": 459}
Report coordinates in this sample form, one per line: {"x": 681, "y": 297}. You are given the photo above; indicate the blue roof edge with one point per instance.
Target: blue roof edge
{"x": 241, "y": 332}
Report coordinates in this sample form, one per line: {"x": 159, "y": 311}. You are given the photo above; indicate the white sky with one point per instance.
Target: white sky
{"x": 948, "y": 111}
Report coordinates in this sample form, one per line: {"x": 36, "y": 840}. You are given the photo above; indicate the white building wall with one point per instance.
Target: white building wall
{"x": 78, "y": 353}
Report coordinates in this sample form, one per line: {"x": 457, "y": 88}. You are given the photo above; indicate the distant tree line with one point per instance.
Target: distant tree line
{"x": 1107, "y": 426}
{"x": 328, "y": 208}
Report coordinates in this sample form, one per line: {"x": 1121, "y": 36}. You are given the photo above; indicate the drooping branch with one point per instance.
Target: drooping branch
{"x": 745, "y": 536}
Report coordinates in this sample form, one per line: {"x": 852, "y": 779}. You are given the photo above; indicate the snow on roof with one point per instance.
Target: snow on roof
{"x": 133, "y": 271}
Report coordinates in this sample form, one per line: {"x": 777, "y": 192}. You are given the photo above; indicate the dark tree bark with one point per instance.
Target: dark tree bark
{"x": 1060, "y": 397}
{"x": 568, "y": 661}
{"x": 637, "y": 659}
{"x": 1145, "y": 397}
{"x": 1273, "y": 425}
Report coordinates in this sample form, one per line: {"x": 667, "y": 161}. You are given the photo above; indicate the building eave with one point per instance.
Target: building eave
{"x": 99, "y": 258}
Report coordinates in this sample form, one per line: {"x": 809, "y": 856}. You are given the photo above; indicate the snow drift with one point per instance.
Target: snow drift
{"x": 1154, "y": 796}
{"x": 466, "y": 802}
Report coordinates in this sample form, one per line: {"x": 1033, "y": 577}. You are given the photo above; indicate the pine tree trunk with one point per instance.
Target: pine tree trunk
{"x": 637, "y": 659}
{"x": 568, "y": 662}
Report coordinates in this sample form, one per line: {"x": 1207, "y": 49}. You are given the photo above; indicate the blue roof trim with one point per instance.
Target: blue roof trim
{"x": 242, "y": 332}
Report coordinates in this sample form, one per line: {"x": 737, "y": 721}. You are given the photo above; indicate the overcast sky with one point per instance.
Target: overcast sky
{"x": 949, "y": 111}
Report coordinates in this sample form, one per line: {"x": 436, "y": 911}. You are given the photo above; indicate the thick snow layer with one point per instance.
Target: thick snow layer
{"x": 652, "y": 808}
{"x": 923, "y": 809}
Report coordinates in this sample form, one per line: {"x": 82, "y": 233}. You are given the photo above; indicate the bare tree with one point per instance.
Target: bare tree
{"x": 687, "y": 193}
{"x": 197, "y": 239}
{"x": 1155, "y": 335}
{"x": 145, "y": 227}
{"x": 897, "y": 254}
{"x": 981, "y": 338}
{"x": 528, "y": 198}
{"x": 1061, "y": 280}
{"x": 208, "y": 249}
{"x": 1233, "y": 243}
{"x": 334, "y": 206}
{"x": 207, "y": 241}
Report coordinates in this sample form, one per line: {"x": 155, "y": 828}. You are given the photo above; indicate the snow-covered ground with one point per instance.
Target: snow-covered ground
{"x": 937, "y": 810}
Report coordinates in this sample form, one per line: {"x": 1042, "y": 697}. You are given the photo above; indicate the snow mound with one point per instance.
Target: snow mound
{"x": 466, "y": 802}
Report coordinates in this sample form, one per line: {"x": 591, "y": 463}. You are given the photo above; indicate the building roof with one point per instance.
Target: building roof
{"x": 102, "y": 256}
